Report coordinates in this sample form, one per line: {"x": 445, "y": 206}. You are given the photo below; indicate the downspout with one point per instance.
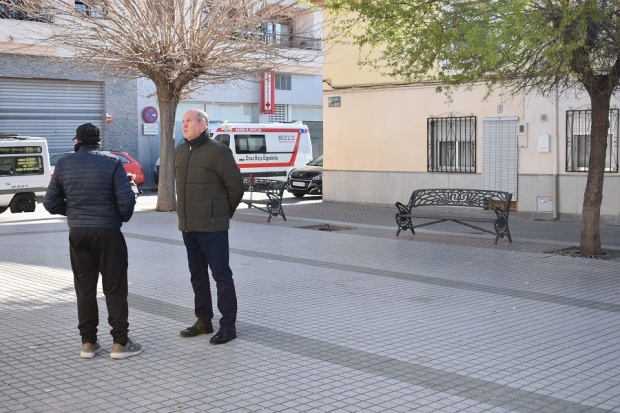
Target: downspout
{"x": 556, "y": 157}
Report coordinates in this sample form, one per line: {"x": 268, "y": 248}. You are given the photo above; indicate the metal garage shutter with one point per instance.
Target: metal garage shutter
{"x": 49, "y": 108}
{"x": 499, "y": 154}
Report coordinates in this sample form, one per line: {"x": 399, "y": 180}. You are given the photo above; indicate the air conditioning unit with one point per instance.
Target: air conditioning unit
{"x": 522, "y": 129}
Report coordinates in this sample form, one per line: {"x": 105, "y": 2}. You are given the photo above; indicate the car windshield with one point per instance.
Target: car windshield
{"x": 317, "y": 161}
{"x": 56, "y": 158}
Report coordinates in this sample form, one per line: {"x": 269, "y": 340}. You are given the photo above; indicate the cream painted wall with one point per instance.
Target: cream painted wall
{"x": 384, "y": 129}
{"x": 375, "y": 143}
{"x": 340, "y": 68}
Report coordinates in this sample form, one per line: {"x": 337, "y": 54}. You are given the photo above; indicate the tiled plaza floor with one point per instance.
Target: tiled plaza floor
{"x": 354, "y": 320}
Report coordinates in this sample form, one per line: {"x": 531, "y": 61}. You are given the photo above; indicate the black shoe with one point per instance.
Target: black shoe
{"x": 223, "y": 336}
{"x": 197, "y": 329}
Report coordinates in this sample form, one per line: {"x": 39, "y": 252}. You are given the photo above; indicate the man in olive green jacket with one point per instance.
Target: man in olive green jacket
{"x": 209, "y": 188}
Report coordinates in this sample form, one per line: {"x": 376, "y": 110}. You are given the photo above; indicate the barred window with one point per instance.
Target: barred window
{"x": 451, "y": 144}
{"x": 280, "y": 114}
{"x": 283, "y": 82}
{"x": 578, "y": 129}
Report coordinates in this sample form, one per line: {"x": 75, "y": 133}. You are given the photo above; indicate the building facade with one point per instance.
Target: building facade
{"x": 41, "y": 95}
{"x": 383, "y": 139}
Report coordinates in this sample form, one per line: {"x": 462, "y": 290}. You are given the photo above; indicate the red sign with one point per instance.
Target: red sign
{"x": 268, "y": 102}
{"x": 149, "y": 114}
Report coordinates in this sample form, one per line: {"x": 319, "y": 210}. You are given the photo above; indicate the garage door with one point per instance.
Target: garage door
{"x": 49, "y": 108}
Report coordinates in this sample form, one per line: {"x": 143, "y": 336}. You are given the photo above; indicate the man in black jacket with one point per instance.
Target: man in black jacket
{"x": 209, "y": 188}
{"x": 92, "y": 190}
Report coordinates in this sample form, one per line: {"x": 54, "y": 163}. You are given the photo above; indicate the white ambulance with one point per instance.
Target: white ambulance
{"x": 266, "y": 150}
{"x": 24, "y": 172}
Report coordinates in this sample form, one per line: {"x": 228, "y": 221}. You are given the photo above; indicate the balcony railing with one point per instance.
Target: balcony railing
{"x": 294, "y": 42}
{"x": 10, "y": 12}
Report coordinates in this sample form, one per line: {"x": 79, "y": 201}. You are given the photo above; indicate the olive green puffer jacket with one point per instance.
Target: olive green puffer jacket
{"x": 209, "y": 185}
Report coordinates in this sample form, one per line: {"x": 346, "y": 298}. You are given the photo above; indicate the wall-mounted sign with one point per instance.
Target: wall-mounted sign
{"x": 333, "y": 102}
{"x": 149, "y": 114}
{"x": 268, "y": 101}
{"x": 150, "y": 128}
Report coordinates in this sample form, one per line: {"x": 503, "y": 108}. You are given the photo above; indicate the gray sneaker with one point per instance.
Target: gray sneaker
{"x": 89, "y": 354}
{"x": 128, "y": 350}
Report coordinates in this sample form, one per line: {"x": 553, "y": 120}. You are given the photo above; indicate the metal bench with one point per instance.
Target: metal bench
{"x": 496, "y": 201}
{"x": 274, "y": 190}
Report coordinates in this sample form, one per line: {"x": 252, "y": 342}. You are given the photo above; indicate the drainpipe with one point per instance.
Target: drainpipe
{"x": 556, "y": 157}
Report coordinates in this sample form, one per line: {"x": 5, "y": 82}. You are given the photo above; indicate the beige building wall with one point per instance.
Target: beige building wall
{"x": 375, "y": 142}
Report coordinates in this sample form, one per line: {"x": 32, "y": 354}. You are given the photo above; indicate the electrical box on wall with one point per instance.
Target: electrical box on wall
{"x": 522, "y": 141}
{"x": 544, "y": 204}
{"x": 543, "y": 142}
{"x": 522, "y": 129}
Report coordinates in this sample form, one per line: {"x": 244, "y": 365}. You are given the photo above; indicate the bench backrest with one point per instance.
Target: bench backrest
{"x": 461, "y": 197}
{"x": 264, "y": 185}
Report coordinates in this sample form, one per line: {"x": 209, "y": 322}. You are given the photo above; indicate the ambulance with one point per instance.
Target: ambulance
{"x": 266, "y": 150}
{"x": 24, "y": 172}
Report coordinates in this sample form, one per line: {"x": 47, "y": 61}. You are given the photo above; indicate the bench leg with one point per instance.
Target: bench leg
{"x": 274, "y": 207}
{"x": 501, "y": 228}
{"x": 403, "y": 224}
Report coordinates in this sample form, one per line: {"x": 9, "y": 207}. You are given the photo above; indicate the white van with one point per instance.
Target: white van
{"x": 266, "y": 150}
{"x": 24, "y": 172}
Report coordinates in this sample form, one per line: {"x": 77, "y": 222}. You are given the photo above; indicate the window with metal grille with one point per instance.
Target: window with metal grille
{"x": 283, "y": 82}
{"x": 451, "y": 144}
{"x": 578, "y": 129}
{"x": 279, "y": 115}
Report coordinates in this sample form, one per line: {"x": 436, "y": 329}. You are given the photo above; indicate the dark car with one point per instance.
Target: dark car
{"x": 307, "y": 180}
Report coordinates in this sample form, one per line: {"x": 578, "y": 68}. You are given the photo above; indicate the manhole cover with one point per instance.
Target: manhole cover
{"x": 574, "y": 252}
{"x": 328, "y": 227}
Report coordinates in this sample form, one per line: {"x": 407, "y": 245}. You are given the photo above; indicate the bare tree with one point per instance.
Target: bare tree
{"x": 172, "y": 43}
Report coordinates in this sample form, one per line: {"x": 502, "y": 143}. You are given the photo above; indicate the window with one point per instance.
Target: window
{"x": 279, "y": 32}
{"x": 578, "y": 129}
{"x": 95, "y": 11}
{"x": 122, "y": 158}
{"x": 283, "y": 82}
{"x": 224, "y": 138}
{"x": 21, "y": 165}
{"x": 451, "y": 144}
{"x": 13, "y": 9}
{"x": 250, "y": 144}
{"x": 280, "y": 114}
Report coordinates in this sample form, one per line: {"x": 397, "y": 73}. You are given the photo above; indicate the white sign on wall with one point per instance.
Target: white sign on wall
{"x": 150, "y": 128}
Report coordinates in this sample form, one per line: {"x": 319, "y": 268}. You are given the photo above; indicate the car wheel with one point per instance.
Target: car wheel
{"x": 298, "y": 195}
{"x": 23, "y": 203}
{"x": 2, "y": 209}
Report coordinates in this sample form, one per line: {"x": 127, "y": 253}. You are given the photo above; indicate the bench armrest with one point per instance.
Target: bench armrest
{"x": 402, "y": 209}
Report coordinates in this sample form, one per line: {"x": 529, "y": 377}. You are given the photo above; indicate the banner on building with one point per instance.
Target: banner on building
{"x": 268, "y": 95}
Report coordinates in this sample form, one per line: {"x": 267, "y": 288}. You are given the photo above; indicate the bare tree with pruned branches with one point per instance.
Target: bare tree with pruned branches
{"x": 172, "y": 43}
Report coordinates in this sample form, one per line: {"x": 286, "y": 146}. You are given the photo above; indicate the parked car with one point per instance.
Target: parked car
{"x": 307, "y": 180}
{"x": 129, "y": 163}
{"x": 156, "y": 172}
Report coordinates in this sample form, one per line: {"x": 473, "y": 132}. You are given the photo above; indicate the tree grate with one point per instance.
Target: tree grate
{"x": 574, "y": 252}
{"x": 328, "y": 227}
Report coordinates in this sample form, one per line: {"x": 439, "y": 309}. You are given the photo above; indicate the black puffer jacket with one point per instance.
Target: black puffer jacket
{"x": 209, "y": 185}
{"x": 92, "y": 189}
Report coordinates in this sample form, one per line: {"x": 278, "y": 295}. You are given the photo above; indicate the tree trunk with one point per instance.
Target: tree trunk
{"x": 166, "y": 196}
{"x": 593, "y": 195}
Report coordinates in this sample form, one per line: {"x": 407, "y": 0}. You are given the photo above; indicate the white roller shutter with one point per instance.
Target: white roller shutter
{"x": 49, "y": 108}
{"x": 499, "y": 154}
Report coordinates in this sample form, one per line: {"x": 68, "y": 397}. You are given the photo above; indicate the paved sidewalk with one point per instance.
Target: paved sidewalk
{"x": 353, "y": 320}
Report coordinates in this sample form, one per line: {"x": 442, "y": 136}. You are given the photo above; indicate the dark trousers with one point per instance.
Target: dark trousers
{"x": 210, "y": 249}
{"x": 104, "y": 251}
